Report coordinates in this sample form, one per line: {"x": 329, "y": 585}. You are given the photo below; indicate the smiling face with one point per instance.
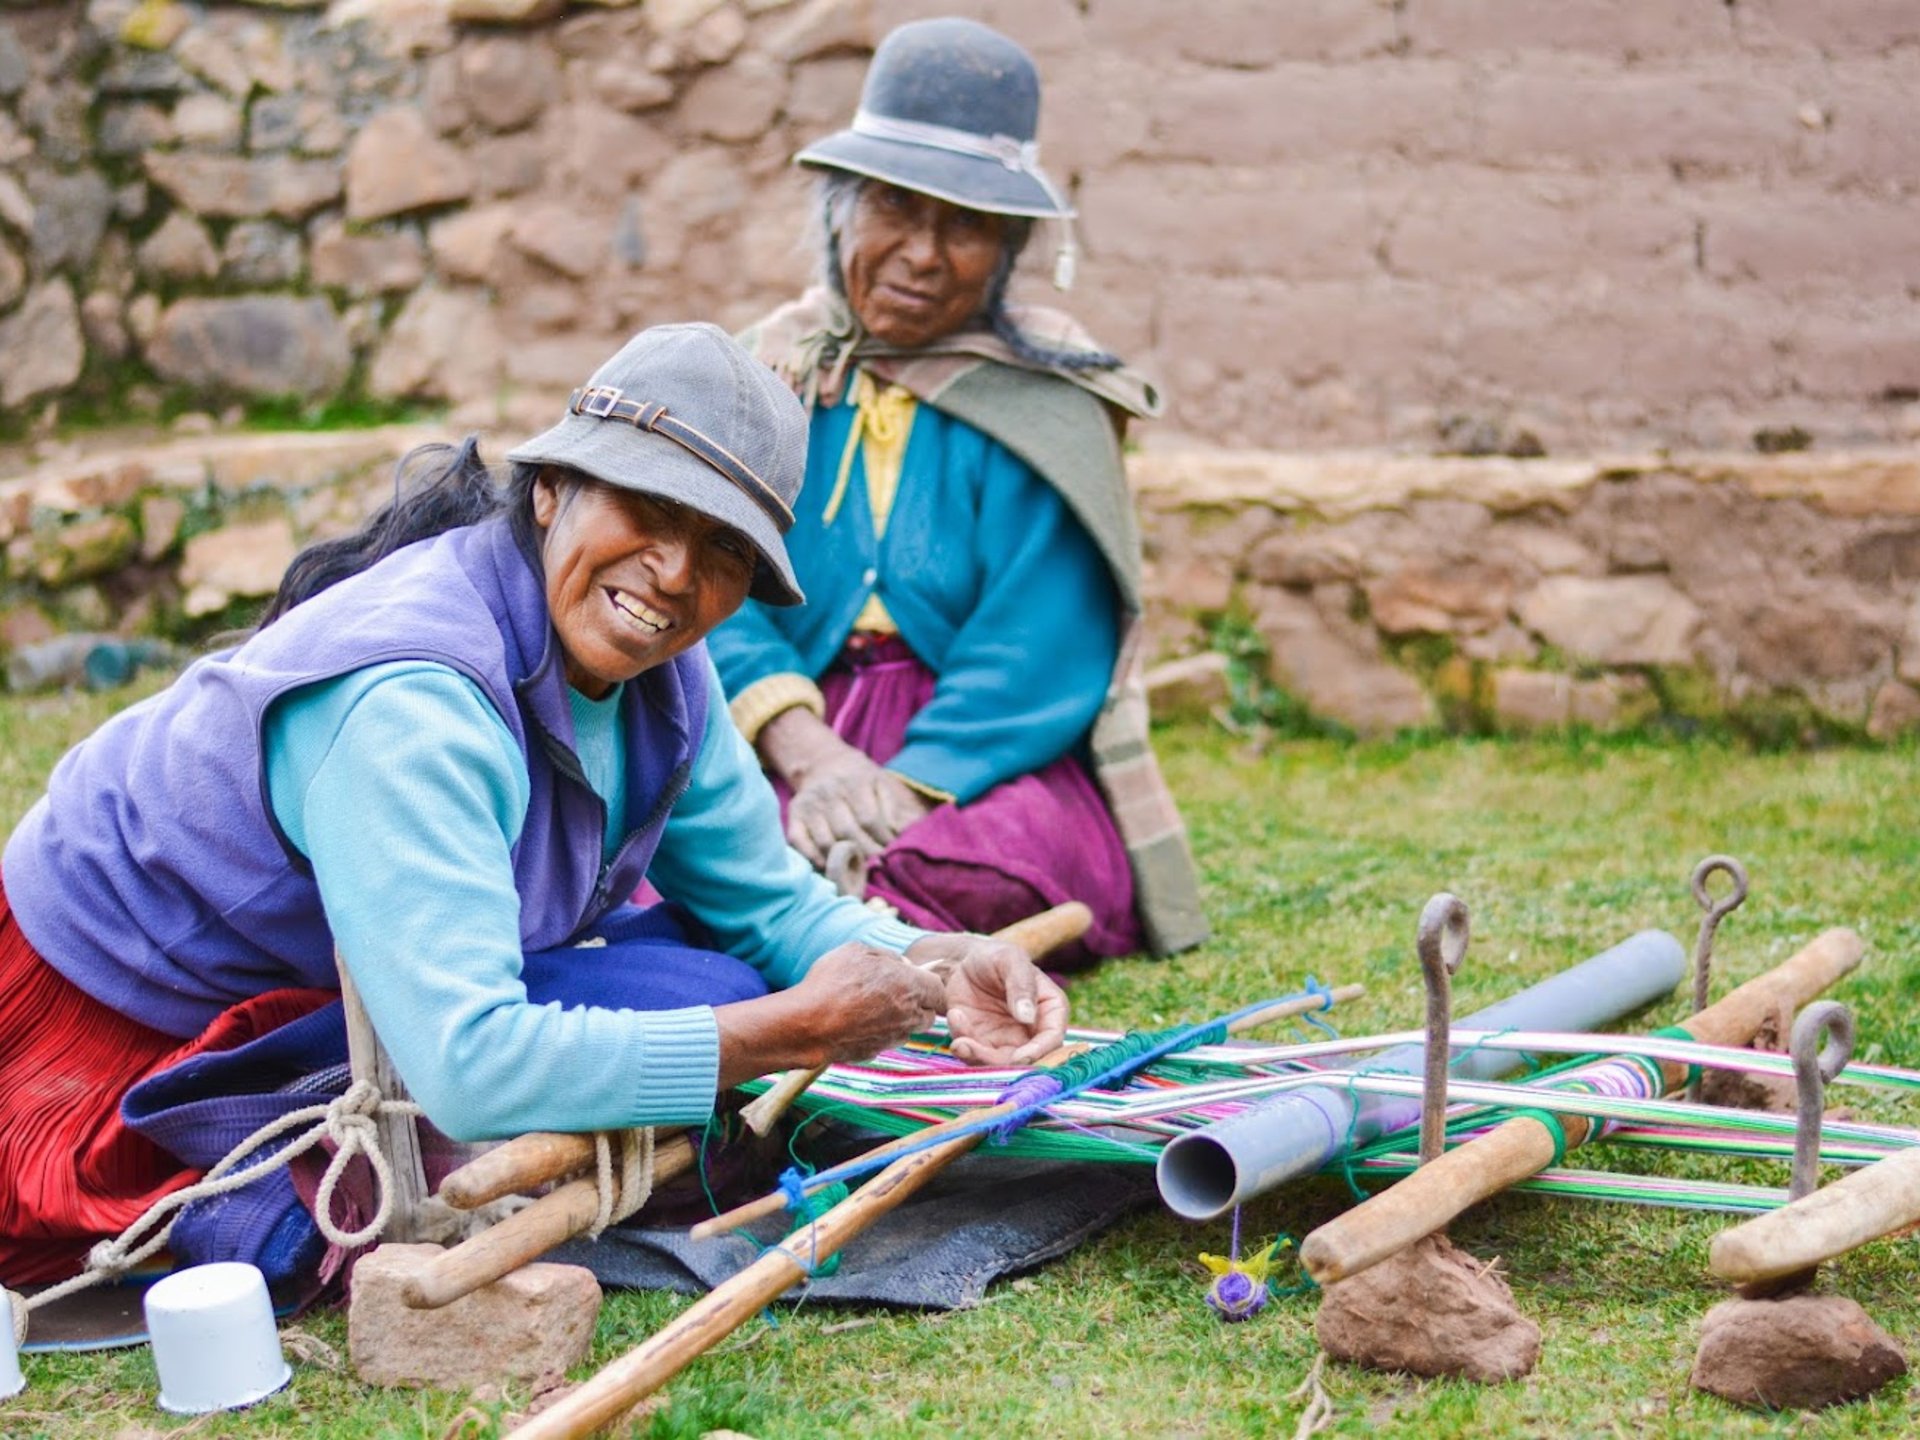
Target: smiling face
{"x": 915, "y": 268}
{"x": 632, "y": 579}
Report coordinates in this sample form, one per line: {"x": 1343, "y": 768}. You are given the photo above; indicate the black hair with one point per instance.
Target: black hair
{"x": 839, "y": 189}
{"x": 436, "y": 488}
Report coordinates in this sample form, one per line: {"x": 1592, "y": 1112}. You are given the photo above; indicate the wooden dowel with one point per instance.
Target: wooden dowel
{"x": 717, "y": 1314}
{"x": 556, "y": 1217}
{"x": 516, "y": 1167}
{"x": 1429, "y": 1198}
{"x": 1037, "y": 935}
{"x": 731, "y": 1220}
{"x": 1861, "y": 1207}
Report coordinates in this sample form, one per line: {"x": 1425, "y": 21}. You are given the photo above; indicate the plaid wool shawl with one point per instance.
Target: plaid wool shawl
{"x": 1065, "y": 424}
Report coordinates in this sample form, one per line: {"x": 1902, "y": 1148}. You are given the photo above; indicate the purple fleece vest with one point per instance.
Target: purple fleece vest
{"x": 153, "y": 876}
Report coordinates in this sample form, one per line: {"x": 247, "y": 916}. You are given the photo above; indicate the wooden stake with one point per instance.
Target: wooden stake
{"x": 1429, "y": 1198}
{"x": 1863, "y": 1206}
{"x": 556, "y": 1217}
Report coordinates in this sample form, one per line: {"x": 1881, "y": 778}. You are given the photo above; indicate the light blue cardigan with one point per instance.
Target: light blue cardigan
{"x": 992, "y": 581}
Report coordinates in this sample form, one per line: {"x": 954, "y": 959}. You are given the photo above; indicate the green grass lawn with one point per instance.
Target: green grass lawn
{"x": 1317, "y": 857}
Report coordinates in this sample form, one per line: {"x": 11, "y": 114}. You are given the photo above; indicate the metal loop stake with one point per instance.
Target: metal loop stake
{"x": 1717, "y": 910}
{"x": 1822, "y": 1044}
{"x": 1444, "y": 931}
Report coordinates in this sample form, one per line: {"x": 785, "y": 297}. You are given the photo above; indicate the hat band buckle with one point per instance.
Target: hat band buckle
{"x": 604, "y": 402}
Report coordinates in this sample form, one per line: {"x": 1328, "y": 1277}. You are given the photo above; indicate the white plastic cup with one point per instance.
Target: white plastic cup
{"x": 12, "y": 1382}
{"x": 214, "y": 1339}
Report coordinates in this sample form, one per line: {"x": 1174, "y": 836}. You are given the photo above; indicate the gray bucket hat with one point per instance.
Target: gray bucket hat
{"x": 683, "y": 412}
{"x": 950, "y": 109}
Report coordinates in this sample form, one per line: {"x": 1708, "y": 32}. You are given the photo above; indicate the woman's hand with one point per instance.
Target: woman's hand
{"x": 1002, "y": 1009}
{"x": 838, "y": 792}
{"x": 855, "y": 1002}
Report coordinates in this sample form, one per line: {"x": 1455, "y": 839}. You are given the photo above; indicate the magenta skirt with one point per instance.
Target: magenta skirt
{"x": 1033, "y": 842}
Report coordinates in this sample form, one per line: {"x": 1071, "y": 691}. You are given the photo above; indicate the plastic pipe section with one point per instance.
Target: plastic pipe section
{"x": 1210, "y": 1171}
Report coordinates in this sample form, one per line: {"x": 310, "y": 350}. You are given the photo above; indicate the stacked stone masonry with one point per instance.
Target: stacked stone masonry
{"x": 1474, "y": 225}
{"x": 1781, "y": 593}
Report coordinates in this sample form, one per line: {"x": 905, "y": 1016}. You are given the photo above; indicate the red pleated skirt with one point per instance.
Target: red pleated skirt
{"x": 71, "y": 1173}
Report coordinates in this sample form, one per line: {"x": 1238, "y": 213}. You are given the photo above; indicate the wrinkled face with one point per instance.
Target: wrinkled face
{"x": 916, "y": 268}
{"x": 632, "y": 579}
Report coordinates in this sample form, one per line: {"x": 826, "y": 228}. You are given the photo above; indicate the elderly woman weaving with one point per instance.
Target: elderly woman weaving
{"x": 965, "y": 537}
{"x": 453, "y": 749}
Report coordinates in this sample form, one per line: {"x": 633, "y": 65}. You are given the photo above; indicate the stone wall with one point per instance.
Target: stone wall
{"x": 1474, "y": 225}
{"x": 1779, "y": 595}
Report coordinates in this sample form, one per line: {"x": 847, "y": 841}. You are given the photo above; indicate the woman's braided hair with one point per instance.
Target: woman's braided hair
{"x": 840, "y": 188}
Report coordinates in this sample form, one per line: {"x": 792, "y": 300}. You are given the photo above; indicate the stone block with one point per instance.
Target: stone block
{"x": 1833, "y": 28}
{"x": 1896, "y": 711}
{"x": 1333, "y": 676}
{"x": 1810, "y": 239}
{"x": 1192, "y": 685}
{"x": 1870, "y": 140}
{"x": 129, "y": 129}
{"x": 736, "y": 103}
{"x": 1424, "y": 599}
{"x": 179, "y": 250}
{"x": 1561, "y": 111}
{"x": 207, "y": 121}
{"x": 1245, "y": 34}
{"x": 397, "y": 165}
{"x": 256, "y": 344}
{"x": 507, "y": 79}
{"x": 1613, "y": 620}
{"x": 627, "y": 87}
{"x": 607, "y": 154}
{"x": 717, "y": 38}
{"x": 529, "y": 1328}
{"x": 1423, "y": 109}
{"x": 1823, "y": 636}
{"x": 13, "y": 275}
{"x": 366, "y": 263}
{"x": 562, "y": 238}
{"x": 41, "y": 346}
{"x": 239, "y": 560}
{"x": 102, "y": 325}
{"x": 70, "y": 214}
{"x": 261, "y": 253}
{"x": 16, "y": 207}
{"x": 821, "y": 27}
{"x": 231, "y": 187}
{"x": 465, "y": 245}
{"x": 1311, "y": 556}
{"x": 161, "y": 517}
{"x": 1225, "y": 221}
{"x": 1456, "y": 225}
{"x": 505, "y": 12}
{"x": 86, "y": 549}
{"x": 443, "y": 345}
{"x": 1479, "y": 29}
{"x": 509, "y": 164}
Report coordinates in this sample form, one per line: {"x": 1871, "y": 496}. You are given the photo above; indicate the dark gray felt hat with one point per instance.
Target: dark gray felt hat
{"x": 950, "y": 108}
{"x": 683, "y": 412}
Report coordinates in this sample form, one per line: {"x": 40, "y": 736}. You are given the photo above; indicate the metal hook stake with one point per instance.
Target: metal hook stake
{"x": 1717, "y": 910}
{"x": 1444, "y": 932}
{"x": 1815, "y": 1064}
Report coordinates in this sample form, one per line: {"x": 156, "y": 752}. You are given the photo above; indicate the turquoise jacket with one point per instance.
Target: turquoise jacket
{"x": 992, "y": 581}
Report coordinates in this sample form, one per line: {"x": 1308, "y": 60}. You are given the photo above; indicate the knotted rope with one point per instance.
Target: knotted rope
{"x": 348, "y": 1121}
{"x": 623, "y": 1193}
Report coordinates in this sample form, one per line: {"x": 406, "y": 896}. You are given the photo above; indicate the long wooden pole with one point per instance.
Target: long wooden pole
{"x": 1431, "y": 1196}
{"x": 769, "y": 1204}
{"x": 1861, "y": 1207}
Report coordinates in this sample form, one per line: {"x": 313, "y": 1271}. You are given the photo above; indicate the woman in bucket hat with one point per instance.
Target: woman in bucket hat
{"x": 455, "y": 745}
{"x": 957, "y": 714}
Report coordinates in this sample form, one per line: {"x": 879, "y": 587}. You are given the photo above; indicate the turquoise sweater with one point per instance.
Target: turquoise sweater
{"x": 989, "y": 577}
{"x": 410, "y": 759}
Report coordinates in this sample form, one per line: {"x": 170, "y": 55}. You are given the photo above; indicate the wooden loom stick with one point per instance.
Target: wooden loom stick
{"x": 515, "y": 1167}
{"x": 1863, "y": 1206}
{"x": 1431, "y": 1196}
{"x": 769, "y": 1204}
{"x": 1037, "y": 935}
{"x": 556, "y": 1217}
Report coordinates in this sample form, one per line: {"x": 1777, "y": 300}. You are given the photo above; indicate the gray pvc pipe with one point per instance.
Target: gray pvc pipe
{"x": 1208, "y": 1172}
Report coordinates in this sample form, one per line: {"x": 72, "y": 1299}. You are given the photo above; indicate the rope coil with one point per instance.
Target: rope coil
{"x": 625, "y": 1192}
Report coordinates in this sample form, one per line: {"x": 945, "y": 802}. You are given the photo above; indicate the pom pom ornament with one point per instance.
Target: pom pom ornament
{"x": 1239, "y": 1290}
